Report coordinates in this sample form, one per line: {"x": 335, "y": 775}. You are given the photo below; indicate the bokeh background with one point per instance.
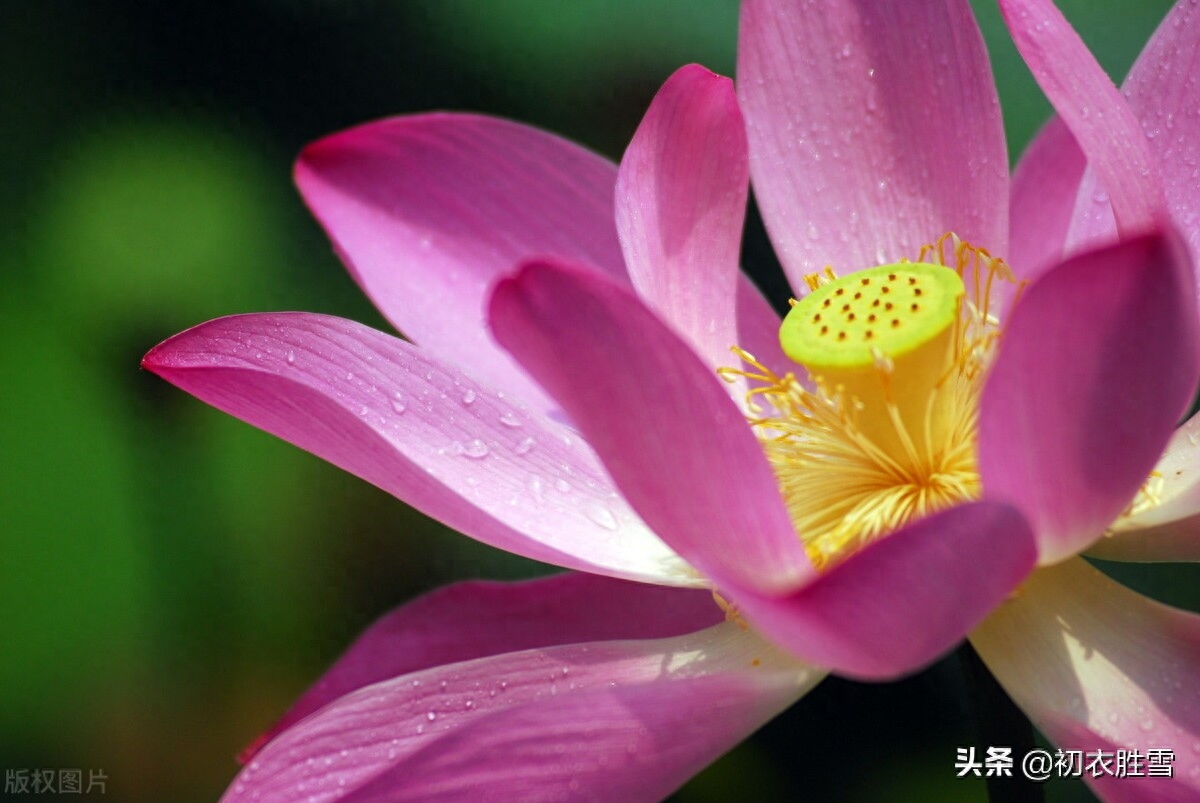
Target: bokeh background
{"x": 170, "y": 579}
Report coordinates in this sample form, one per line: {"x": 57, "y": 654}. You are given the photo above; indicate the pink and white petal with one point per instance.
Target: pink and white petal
{"x": 601, "y": 713}
{"x": 1168, "y": 530}
{"x": 681, "y": 206}
{"x": 1102, "y": 123}
{"x": 874, "y": 129}
{"x": 1178, "y": 476}
{"x": 476, "y": 619}
{"x": 1045, "y": 184}
{"x": 1098, "y": 362}
{"x": 1164, "y": 91}
{"x": 1095, "y": 665}
{"x": 663, "y": 424}
{"x": 881, "y": 613}
{"x": 451, "y": 447}
{"x": 428, "y": 210}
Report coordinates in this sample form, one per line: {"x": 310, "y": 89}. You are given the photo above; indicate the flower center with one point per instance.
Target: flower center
{"x": 884, "y": 430}
{"x": 884, "y": 337}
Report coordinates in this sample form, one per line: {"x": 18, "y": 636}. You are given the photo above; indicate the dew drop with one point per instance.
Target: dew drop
{"x": 476, "y": 449}
{"x": 291, "y": 357}
{"x": 600, "y": 514}
{"x": 524, "y": 446}
{"x": 510, "y": 419}
{"x": 469, "y": 396}
{"x": 535, "y": 487}
{"x": 398, "y": 404}
{"x": 562, "y": 486}
{"x": 431, "y": 716}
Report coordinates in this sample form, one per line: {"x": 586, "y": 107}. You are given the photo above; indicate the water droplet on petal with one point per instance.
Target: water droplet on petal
{"x": 469, "y": 396}
{"x": 536, "y": 487}
{"x": 398, "y": 404}
{"x": 476, "y": 449}
{"x": 431, "y": 716}
{"x": 600, "y": 514}
{"x": 510, "y": 419}
{"x": 291, "y": 357}
{"x": 524, "y": 446}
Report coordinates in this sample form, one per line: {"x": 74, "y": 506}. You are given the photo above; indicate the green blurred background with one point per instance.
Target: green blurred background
{"x": 170, "y": 579}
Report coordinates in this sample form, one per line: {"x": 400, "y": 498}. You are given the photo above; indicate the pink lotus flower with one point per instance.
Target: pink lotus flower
{"x": 570, "y": 410}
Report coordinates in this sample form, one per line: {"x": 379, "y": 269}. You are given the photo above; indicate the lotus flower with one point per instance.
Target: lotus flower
{"x": 569, "y": 395}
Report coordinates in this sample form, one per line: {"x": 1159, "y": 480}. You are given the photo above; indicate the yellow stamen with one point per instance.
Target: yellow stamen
{"x": 884, "y": 432}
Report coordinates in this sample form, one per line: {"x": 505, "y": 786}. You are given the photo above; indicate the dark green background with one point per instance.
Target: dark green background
{"x": 170, "y": 579}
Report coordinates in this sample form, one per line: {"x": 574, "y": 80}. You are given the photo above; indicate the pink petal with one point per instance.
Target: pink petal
{"x": 1097, "y": 666}
{"x": 1163, "y": 90}
{"x": 681, "y": 205}
{"x": 635, "y": 743}
{"x": 1084, "y": 97}
{"x": 453, "y": 448}
{"x": 668, "y": 433}
{"x": 1096, "y": 365}
{"x": 874, "y": 128}
{"x": 1045, "y": 184}
{"x": 903, "y": 601}
{"x": 478, "y": 619}
{"x": 618, "y": 718}
{"x": 427, "y": 210}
